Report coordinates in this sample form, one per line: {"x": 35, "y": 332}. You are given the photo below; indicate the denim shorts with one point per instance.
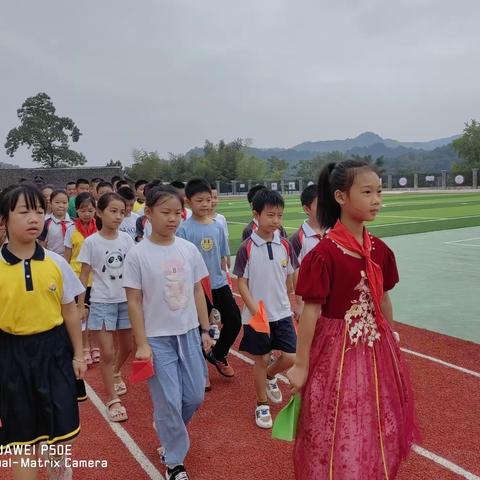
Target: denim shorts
{"x": 112, "y": 316}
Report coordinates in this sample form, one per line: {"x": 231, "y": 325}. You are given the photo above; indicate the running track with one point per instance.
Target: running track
{"x": 226, "y": 444}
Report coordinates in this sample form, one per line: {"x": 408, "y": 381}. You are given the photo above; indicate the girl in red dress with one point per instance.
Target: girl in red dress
{"x": 357, "y": 417}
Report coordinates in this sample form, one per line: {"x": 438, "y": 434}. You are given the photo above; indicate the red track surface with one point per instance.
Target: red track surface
{"x": 226, "y": 444}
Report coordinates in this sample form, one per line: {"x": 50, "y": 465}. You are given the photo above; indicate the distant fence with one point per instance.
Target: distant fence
{"x": 416, "y": 181}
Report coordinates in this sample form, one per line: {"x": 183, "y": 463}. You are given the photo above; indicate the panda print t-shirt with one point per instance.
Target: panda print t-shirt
{"x": 106, "y": 258}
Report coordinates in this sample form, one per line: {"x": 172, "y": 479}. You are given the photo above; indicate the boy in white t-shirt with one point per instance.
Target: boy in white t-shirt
{"x": 162, "y": 278}
{"x": 129, "y": 224}
{"x": 264, "y": 265}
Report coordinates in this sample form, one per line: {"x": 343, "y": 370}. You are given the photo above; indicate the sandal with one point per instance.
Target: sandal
{"x": 95, "y": 352}
{"x": 87, "y": 356}
{"x": 117, "y": 414}
{"x": 120, "y": 387}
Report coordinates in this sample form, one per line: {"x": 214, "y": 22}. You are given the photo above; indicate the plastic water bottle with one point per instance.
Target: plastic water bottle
{"x": 215, "y": 322}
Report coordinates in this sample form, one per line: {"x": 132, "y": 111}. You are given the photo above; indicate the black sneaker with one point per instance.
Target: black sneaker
{"x": 177, "y": 473}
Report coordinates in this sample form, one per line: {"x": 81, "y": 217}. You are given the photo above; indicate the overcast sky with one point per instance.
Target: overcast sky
{"x": 166, "y": 75}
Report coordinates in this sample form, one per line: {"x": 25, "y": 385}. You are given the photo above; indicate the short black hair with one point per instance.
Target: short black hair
{"x": 126, "y": 193}
{"x": 213, "y": 186}
{"x": 266, "y": 197}
{"x": 177, "y": 184}
{"x": 156, "y": 182}
{"x": 161, "y": 192}
{"x": 308, "y": 195}
{"x": 115, "y": 178}
{"x": 139, "y": 183}
{"x": 104, "y": 184}
{"x": 9, "y": 199}
{"x": 82, "y": 181}
{"x": 197, "y": 185}
{"x": 251, "y": 193}
{"x": 96, "y": 180}
{"x": 121, "y": 183}
{"x": 71, "y": 183}
{"x": 84, "y": 198}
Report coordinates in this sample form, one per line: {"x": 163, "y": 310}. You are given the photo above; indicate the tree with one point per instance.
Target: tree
{"x": 114, "y": 163}
{"x": 45, "y": 133}
{"x": 251, "y": 168}
{"x": 468, "y": 146}
{"x": 276, "y": 168}
{"x": 148, "y": 165}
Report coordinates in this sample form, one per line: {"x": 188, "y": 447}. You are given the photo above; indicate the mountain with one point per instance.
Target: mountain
{"x": 368, "y": 139}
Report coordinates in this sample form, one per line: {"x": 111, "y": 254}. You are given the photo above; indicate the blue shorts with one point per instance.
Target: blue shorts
{"x": 282, "y": 337}
{"x": 112, "y": 316}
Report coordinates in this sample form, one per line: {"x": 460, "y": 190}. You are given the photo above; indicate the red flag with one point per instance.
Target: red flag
{"x": 207, "y": 288}
{"x": 259, "y": 322}
{"x": 141, "y": 370}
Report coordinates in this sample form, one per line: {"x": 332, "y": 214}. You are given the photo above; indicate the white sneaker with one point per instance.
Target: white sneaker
{"x": 263, "y": 419}
{"x": 273, "y": 391}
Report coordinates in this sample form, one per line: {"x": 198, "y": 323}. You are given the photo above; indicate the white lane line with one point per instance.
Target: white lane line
{"x": 461, "y": 241}
{"x": 416, "y": 448}
{"x": 442, "y": 362}
{"x": 445, "y": 463}
{"x": 432, "y": 359}
{"x": 405, "y": 216}
{"x": 423, "y": 221}
{"x": 125, "y": 437}
{"x": 248, "y": 360}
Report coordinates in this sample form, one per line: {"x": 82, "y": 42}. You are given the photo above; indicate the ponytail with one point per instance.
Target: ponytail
{"x": 333, "y": 177}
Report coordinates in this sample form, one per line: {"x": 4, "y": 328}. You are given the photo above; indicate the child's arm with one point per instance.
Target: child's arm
{"x": 70, "y": 317}
{"x": 85, "y": 272}
{"x": 246, "y": 295}
{"x": 67, "y": 254}
{"x": 202, "y": 312}
{"x": 135, "y": 312}
{"x": 387, "y": 309}
{"x": 306, "y": 329}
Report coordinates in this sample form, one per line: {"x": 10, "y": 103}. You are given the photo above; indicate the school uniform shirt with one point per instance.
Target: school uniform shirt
{"x": 33, "y": 291}
{"x": 106, "y": 258}
{"x": 253, "y": 227}
{"x": 212, "y": 244}
{"x": 137, "y": 206}
{"x": 223, "y": 222}
{"x": 74, "y": 240}
{"x": 266, "y": 265}
{"x": 129, "y": 225}
{"x": 304, "y": 240}
{"x": 54, "y": 232}
{"x": 166, "y": 274}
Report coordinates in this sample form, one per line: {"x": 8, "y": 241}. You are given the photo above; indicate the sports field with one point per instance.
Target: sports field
{"x": 401, "y": 214}
{"x": 438, "y": 319}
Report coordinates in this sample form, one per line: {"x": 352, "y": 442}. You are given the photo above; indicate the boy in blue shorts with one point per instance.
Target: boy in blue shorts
{"x": 209, "y": 237}
{"x": 264, "y": 265}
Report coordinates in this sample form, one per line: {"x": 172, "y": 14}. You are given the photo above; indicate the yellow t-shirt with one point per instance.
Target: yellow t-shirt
{"x": 74, "y": 240}
{"x": 137, "y": 206}
{"x": 33, "y": 291}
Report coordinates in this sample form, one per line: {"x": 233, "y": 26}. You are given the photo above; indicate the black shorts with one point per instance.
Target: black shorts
{"x": 38, "y": 390}
{"x": 282, "y": 337}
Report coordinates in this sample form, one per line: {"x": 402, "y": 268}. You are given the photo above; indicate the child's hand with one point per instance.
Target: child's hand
{"x": 297, "y": 376}
{"x": 144, "y": 352}
{"x": 207, "y": 342}
{"x": 82, "y": 311}
{"x": 79, "y": 368}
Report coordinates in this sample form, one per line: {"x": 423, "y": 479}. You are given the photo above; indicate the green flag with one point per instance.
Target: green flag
{"x": 285, "y": 425}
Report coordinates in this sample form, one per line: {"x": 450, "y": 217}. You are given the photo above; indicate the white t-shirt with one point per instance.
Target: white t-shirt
{"x": 222, "y": 221}
{"x": 129, "y": 225}
{"x": 106, "y": 258}
{"x": 166, "y": 274}
{"x": 52, "y": 233}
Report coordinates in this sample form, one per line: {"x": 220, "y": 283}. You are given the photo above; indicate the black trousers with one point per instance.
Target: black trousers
{"x": 225, "y": 303}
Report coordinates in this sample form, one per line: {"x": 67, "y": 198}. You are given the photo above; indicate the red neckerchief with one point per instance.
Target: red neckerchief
{"x": 88, "y": 230}
{"x": 184, "y": 214}
{"x": 343, "y": 237}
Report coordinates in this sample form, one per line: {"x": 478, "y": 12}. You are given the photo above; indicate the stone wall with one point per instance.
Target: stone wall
{"x": 58, "y": 177}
